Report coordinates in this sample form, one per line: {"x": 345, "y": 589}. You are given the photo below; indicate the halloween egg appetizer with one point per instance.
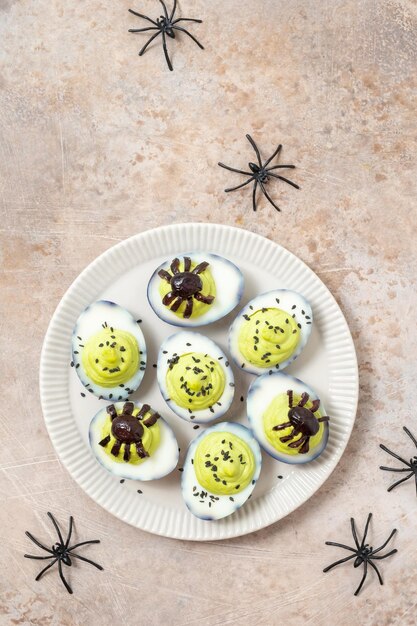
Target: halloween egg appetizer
{"x": 195, "y": 377}
{"x": 133, "y": 441}
{"x": 271, "y": 331}
{"x": 287, "y": 418}
{"x": 195, "y": 289}
{"x": 220, "y": 470}
{"x": 108, "y": 351}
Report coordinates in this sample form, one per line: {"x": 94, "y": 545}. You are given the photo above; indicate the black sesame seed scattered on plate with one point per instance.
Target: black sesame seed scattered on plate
{"x": 280, "y": 476}
{"x": 242, "y": 398}
{"x": 82, "y": 395}
{"x": 139, "y": 491}
{"x": 122, "y": 480}
{"x": 196, "y": 426}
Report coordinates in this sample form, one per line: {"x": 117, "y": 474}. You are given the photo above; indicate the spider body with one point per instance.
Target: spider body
{"x": 61, "y": 552}
{"x": 260, "y": 174}
{"x": 127, "y": 429}
{"x": 185, "y": 286}
{"x": 410, "y": 467}
{"x": 363, "y": 553}
{"x": 166, "y": 26}
{"x": 303, "y": 422}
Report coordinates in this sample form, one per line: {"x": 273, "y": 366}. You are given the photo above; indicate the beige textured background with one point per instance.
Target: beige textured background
{"x": 96, "y": 144}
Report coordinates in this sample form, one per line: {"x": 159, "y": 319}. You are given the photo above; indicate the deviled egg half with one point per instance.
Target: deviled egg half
{"x": 193, "y": 289}
{"x": 220, "y": 470}
{"x": 195, "y": 377}
{"x": 108, "y": 351}
{"x": 287, "y": 418}
{"x": 133, "y": 441}
{"x": 271, "y": 331}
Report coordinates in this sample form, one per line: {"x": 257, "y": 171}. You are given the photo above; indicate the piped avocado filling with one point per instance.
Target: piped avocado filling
{"x": 293, "y": 424}
{"x": 129, "y": 435}
{"x": 268, "y": 337}
{"x": 111, "y": 357}
{"x": 224, "y": 464}
{"x": 189, "y": 290}
{"x": 195, "y": 381}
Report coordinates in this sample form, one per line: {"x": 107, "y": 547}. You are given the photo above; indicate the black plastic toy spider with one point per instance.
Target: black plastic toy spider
{"x": 303, "y": 421}
{"x": 411, "y": 467}
{"x": 185, "y": 286}
{"x": 165, "y": 25}
{"x": 60, "y": 552}
{"x": 260, "y": 174}
{"x": 363, "y": 553}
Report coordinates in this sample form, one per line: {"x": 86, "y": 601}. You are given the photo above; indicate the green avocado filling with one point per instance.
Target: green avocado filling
{"x": 208, "y": 289}
{"x": 111, "y": 357}
{"x": 223, "y": 463}
{"x": 268, "y": 337}
{"x": 195, "y": 381}
{"x": 150, "y": 439}
{"x": 277, "y": 413}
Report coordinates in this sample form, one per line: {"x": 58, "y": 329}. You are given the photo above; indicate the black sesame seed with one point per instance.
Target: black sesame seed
{"x": 188, "y": 344}
{"x": 122, "y": 481}
{"x": 139, "y": 321}
{"x": 196, "y": 426}
{"x": 180, "y": 469}
{"x": 78, "y": 365}
{"x": 242, "y": 398}
{"x": 72, "y": 363}
{"x": 232, "y": 499}
{"x": 139, "y": 491}
{"x": 83, "y": 394}
{"x": 280, "y": 476}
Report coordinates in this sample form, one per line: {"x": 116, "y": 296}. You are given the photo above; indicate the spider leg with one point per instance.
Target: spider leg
{"x": 232, "y": 169}
{"x": 279, "y": 167}
{"x": 381, "y": 445}
{"x": 145, "y": 408}
{"x": 111, "y": 410}
{"x": 148, "y": 42}
{"x": 38, "y": 543}
{"x": 329, "y": 567}
{"x": 340, "y": 545}
{"x": 56, "y": 527}
{"x": 413, "y": 439}
{"x": 254, "y": 195}
{"x": 202, "y": 298}
{"x": 186, "y": 19}
{"x": 82, "y": 543}
{"x": 175, "y": 266}
{"x": 71, "y": 522}
{"x": 177, "y": 304}
{"x": 366, "y": 529}
{"x": 304, "y": 399}
{"x": 145, "y": 17}
{"x": 285, "y": 180}
{"x": 290, "y": 398}
{"x": 38, "y": 558}
{"x": 190, "y": 35}
{"x": 239, "y": 186}
{"x": 126, "y": 454}
{"x": 282, "y": 426}
{"x": 384, "y": 556}
{"x": 355, "y": 536}
{"x": 165, "y": 275}
{"x": 152, "y": 419}
{"x": 201, "y": 267}
{"x": 168, "y": 298}
{"x": 325, "y": 418}
{"x": 62, "y": 577}
{"x": 400, "y": 481}
{"x": 385, "y": 543}
{"x": 306, "y": 446}
{"x": 365, "y": 564}
{"x": 187, "y": 264}
{"x": 116, "y": 448}
{"x": 188, "y": 308}
{"x": 394, "y": 469}
{"x": 299, "y": 442}
{"x": 164, "y": 45}
{"x": 268, "y": 197}
{"x": 82, "y": 558}
{"x": 255, "y": 147}
{"x": 293, "y": 434}
{"x": 274, "y": 154}
{"x": 165, "y": 9}
{"x": 142, "y": 30}
{"x": 381, "y": 582}
{"x": 41, "y": 573}
{"x": 315, "y": 406}
{"x": 173, "y": 11}
{"x": 141, "y": 450}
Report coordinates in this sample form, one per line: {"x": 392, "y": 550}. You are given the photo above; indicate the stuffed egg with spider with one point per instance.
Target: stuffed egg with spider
{"x": 195, "y": 377}
{"x": 195, "y": 289}
{"x": 133, "y": 441}
{"x": 287, "y": 418}
{"x": 108, "y": 351}
{"x": 271, "y": 331}
{"x": 221, "y": 469}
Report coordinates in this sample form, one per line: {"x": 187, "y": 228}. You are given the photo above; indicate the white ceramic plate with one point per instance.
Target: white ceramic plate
{"x": 328, "y": 364}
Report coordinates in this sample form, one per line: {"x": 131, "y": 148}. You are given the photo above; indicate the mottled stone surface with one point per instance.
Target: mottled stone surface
{"x": 96, "y": 144}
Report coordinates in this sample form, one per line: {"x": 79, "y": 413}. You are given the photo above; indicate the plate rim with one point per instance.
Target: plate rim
{"x": 51, "y": 411}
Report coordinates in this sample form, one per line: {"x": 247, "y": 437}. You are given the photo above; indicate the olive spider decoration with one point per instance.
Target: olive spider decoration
{"x": 128, "y": 429}
{"x": 166, "y": 26}
{"x": 185, "y": 286}
{"x": 303, "y": 421}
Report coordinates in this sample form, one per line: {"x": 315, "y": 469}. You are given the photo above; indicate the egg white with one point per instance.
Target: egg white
{"x": 229, "y": 288}
{"x": 213, "y": 506}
